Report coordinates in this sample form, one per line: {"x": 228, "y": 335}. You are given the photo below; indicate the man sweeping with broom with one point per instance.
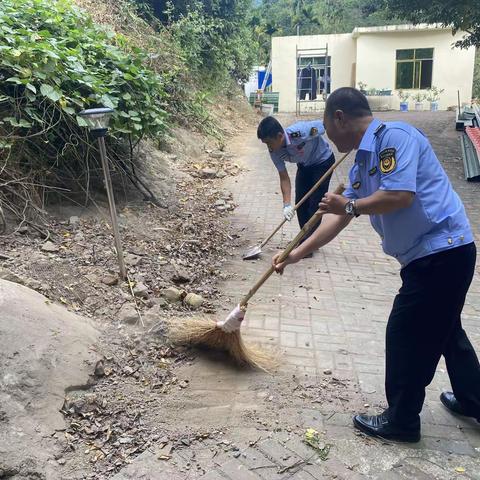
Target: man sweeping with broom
{"x": 398, "y": 181}
{"x": 300, "y": 143}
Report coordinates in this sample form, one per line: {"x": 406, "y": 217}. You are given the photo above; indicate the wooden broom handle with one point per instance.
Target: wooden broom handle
{"x": 306, "y": 228}
{"x": 307, "y": 196}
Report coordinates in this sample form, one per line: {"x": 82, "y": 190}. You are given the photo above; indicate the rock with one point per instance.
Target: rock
{"x": 128, "y": 314}
{"x": 217, "y": 154}
{"x": 172, "y": 294}
{"x": 37, "y": 368}
{"x": 220, "y": 203}
{"x": 99, "y": 369}
{"x": 49, "y": 246}
{"x": 221, "y": 174}
{"x": 110, "y": 280}
{"x": 23, "y": 230}
{"x": 79, "y": 237}
{"x": 127, "y": 370}
{"x": 92, "y": 278}
{"x": 208, "y": 173}
{"x": 33, "y": 284}
{"x": 194, "y": 301}
{"x": 140, "y": 290}
{"x": 181, "y": 275}
{"x": 159, "y": 302}
{"x": 132, "y": 260}
{"x": 327, "y": 371}
{"x": 11, "y": 277}
{"x": 73, "y": 220}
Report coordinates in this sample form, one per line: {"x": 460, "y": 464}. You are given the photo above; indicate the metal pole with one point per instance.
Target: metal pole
{"x": 111, "y": 204}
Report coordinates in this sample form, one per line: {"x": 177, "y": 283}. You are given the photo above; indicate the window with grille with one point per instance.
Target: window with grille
{"x": 414, "y": 68}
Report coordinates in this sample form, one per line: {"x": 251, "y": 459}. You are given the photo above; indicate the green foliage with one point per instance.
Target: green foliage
{"x": 461, "y": 16}
{"x": 476, "y": 75}
{"x": 214, "y": 37}
{"x": 312, "y": 17}
{"x": 55, "y": 61}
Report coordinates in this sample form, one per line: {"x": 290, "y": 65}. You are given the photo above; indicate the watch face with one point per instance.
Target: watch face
{"x": 349, "y": 207}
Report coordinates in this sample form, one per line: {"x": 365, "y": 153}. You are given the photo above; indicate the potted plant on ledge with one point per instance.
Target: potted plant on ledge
{"x": 433, "y": 96}
{"x": 403, "y": 96}
{"x": 362, "y": 87}
{"x": 419, "y": 97}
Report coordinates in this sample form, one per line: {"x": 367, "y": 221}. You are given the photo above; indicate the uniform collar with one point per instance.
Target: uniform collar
{"x": 287, "y": 138}
{"x": 367, "y": 144}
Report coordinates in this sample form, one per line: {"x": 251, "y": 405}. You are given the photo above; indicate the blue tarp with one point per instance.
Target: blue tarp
{"x": 261, "y": 76}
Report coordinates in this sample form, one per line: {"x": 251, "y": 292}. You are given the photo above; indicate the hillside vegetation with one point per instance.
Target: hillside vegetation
{"x": 59, "y": 57}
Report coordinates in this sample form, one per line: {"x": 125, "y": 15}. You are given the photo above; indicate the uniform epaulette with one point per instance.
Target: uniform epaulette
{"x": 379, "y": 129}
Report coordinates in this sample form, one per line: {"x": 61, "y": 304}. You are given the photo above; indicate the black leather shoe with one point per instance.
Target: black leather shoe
{"x": 449, "y": 401}
{"x": 379, "y": 426}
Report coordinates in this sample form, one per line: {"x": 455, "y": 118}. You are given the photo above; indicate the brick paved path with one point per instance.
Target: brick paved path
{"x": 328, "y": 315}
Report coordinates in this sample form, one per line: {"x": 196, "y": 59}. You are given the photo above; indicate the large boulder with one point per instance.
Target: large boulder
{"x": 45, "y": 350}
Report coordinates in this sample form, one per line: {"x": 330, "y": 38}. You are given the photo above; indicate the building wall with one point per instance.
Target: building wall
{"x": 452, "y": 68}
{"x": 341, "y": 48}
{"x": 371, "y": 58}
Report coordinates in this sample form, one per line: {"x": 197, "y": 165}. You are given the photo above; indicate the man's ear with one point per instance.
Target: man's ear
{"x": 339, "y": 116}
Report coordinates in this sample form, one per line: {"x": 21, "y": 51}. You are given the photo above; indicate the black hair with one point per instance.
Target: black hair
{"x": 350, "y": 101}
{"x": 269, "y": 127}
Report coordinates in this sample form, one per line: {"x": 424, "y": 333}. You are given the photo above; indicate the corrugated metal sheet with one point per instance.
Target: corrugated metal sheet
{"x": 471, "y": 163}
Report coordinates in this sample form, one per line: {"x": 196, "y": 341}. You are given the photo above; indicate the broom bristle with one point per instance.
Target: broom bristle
{"x": 204, "y": 331}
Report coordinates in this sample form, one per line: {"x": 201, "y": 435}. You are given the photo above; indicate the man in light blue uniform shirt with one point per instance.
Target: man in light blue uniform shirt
{"x": 301, "y": 143}
{"x": 398, "y": 181}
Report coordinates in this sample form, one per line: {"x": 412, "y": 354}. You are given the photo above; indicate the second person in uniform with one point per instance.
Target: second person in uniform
{"x": 301, "y": 143}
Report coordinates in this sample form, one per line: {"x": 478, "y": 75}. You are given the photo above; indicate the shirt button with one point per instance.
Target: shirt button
{"x": 450, "y": 241}
{"x": 462, "y": 238}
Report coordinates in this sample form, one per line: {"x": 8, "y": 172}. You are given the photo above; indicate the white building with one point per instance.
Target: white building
{"x": 389, "y": 58}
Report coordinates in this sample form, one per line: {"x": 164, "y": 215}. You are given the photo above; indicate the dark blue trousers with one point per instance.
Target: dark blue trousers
{"x": 425, "y": 323}
{"x": 305, "y": 179}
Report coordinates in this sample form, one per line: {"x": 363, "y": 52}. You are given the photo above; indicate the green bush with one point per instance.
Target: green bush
{"x": 54, "y": 61}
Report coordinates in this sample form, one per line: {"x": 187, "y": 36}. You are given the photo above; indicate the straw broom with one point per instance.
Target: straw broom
{"x": 225, "y": 335}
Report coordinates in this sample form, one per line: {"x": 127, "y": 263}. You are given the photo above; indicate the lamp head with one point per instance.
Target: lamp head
{"x": 97, "y": 120}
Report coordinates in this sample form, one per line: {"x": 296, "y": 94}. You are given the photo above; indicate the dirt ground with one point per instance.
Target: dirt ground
{"x": 158, "y": 412}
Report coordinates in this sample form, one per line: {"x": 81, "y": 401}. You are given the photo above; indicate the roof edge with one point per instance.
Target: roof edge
{"x": 421, "y": 27}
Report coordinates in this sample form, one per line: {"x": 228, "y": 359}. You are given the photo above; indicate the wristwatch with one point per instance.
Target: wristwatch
{"x": 350, "y": 208}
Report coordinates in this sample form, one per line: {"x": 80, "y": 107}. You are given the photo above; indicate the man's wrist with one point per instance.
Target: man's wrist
{"x": 351, "y": 208}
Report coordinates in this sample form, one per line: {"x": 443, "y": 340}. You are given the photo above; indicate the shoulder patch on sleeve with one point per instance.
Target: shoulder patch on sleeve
{"x": 297, "y": 134}
{"x": 388, "y": 160}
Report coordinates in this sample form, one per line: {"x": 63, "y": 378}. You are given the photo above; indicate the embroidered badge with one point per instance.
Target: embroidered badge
{"x": 388, "y": 162}
{"x": 356, "y": 185}
{"x": 373, "y": 171}
{"x": 313, "y": 132}
{"x": 296, "y": 134}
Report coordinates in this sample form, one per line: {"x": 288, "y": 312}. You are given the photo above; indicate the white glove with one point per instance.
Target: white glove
{"x": 234, "y": 320}
{"x": 288, "y": 212}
